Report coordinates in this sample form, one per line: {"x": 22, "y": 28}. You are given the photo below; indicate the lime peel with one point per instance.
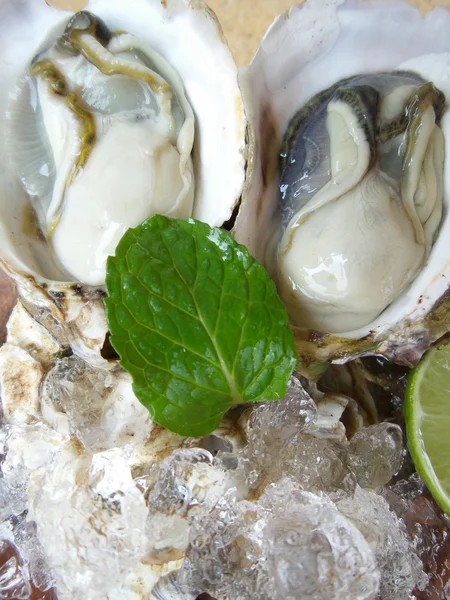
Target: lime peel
{"x": 427, "y": 410}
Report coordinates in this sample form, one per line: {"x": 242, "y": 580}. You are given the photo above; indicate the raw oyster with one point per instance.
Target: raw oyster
{"x": 377, "y": 138}
{"x": 346, "y": 201}
{"x": 142, "y": 90}
{"x": 102, "y": 134}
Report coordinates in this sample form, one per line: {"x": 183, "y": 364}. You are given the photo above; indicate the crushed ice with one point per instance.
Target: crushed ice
{"x": 278, "y": 504}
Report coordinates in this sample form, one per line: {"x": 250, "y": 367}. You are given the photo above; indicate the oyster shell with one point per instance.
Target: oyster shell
{"x": 174, "y": 87}
{"x": 346, "y": 73}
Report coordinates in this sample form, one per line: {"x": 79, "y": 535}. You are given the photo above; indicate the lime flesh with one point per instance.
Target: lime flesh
{"x": 427, "y": 417}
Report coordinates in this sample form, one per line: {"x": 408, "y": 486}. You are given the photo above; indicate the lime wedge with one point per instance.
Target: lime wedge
{"x": 427, "y": 417}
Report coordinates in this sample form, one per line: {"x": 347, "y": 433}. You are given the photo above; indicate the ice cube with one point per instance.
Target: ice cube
{"x": 315, "y": 464}
{"x": 99, "y": 514}
{"x": 292, "y": 545}
{"x": 34, "y": 557}
{"x": 282, "y": 441}
{"x": 315, "y": 552}
{"x": 375, "y": 454}
{"x": 273, "y": 425}
{"x": 188, "y": 483}
{"x": 98, "y": 407}
{"x": 79, "y": 391}
{"x": 26, "y": 448}
{"x": 225, "y": 556}
{"x": 193, "y": 478}
{"x": 13, "y": 581}
{"x": 13, "y": 497}
{"x": 14, "y": 473}
{"x": 318, "y": 465}
{"x": 21, "y": 533}
{"x": 400, "y": 567}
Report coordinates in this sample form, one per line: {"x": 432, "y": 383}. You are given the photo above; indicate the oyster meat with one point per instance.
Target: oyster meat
{"x": 101, "y": 140}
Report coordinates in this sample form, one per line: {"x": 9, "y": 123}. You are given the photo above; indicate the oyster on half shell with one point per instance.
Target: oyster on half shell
{"x": 108, "y": 116}
{"x": 348, "y": 186}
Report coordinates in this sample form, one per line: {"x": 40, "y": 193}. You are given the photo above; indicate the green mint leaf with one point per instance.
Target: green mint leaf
{"x": 197, "y": 323}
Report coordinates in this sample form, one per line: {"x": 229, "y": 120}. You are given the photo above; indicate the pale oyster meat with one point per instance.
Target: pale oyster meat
{"x": 79, "y": 94}
{"x": 346, "y": 199}
{"x": 101, "y": 140}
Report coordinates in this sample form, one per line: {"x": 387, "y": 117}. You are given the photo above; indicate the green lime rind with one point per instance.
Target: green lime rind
{"x": 427, "y": 419}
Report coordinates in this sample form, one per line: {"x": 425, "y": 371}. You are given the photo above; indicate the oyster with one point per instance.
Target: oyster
{"x": 347, "y": 196}
{"x": 108, "y": 116}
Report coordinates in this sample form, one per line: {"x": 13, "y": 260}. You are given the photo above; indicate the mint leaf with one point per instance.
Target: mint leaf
{"x": 197, "y": 323}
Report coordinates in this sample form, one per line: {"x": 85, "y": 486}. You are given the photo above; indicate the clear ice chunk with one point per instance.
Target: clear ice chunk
{"x": 99, "y": 514}
{"x": 182, "y": 481}
{"x": 225, "y": 557}
{"x": 79, "y": 391}
{"x": 32, "y": 554}
{"x": 99, "y": 405}
{"x": 400, "y": 567}
{"x": 24, "y": 448}
{"x": 292, "y": 545}
{"x": 13, "y": 474}
{"x": 188, "y": 483}
{"x": 315, "y": 464}
{"x": 13, "y": 581}
{"x": 13, "y": 496}
{"x": 22, "y": 534}
{"x": 281, "y": 441}
{"x": 192, "y": 479}
{"x": 375, "y": 454}
{"x": 318, "y": 465}
{"x": 315, "y": 552}
{"x": 273, "y": 425}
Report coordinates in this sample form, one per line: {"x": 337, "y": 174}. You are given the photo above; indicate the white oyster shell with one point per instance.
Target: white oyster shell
{"x": 305, "y": 51}
{"x": 188, "y": 36}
